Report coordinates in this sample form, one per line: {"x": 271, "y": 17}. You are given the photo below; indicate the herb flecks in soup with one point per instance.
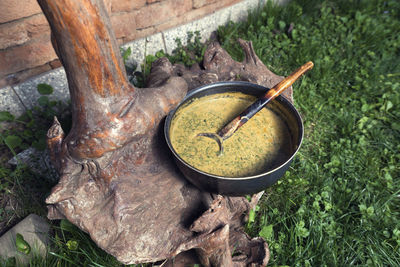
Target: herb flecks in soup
{"x": 263, "y": 143}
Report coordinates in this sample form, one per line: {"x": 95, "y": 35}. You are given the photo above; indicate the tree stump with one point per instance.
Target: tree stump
{"x": 118, "y": 180}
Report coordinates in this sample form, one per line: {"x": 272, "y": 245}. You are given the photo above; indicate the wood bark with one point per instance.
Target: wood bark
{"x": 118, "y": 181}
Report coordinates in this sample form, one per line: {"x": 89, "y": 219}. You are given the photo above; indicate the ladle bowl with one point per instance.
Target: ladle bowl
{"x": 239, "y": 186}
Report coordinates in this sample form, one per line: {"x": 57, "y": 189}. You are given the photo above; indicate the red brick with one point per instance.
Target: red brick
{"x": 4, "y": 82}
{"x": 35, "y": 53}
{"x": 37, "y": 25}
{"x": 145, "y": 32}
{"x": 124, "y": 24}
{"x": 12, "y": 34}
{"x": 161, "y": 12}
{"x": 200, "y": 3}
{"x": 195, "y": 14}
{"x": 15, "y": 9}
{"x": 21, "y": 31}
{"x": 25, "y": 43}
{"x": 126, "y": 5}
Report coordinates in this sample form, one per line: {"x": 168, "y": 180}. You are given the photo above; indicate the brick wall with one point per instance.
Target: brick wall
{"x": 25, "y": 48}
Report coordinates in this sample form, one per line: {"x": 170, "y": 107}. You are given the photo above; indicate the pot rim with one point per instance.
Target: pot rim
{"x": 202, "y": 88}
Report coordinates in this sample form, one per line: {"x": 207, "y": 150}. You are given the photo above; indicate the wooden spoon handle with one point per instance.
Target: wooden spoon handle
{"x": 243, "y": 117}
{"x": 288, "y": 81}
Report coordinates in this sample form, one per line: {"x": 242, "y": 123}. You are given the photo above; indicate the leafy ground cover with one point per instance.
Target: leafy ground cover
{"x": 339, "y": 204}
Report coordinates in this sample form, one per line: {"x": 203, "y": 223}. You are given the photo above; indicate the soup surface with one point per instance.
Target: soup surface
{"x": 263, "y": 143}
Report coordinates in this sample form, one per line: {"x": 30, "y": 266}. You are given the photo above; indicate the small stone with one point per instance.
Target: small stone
{"x": 34, "y": 230}
{"x": 38, "y": 161}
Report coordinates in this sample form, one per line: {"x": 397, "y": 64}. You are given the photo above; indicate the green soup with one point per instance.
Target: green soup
{"x": 262, "y": 144}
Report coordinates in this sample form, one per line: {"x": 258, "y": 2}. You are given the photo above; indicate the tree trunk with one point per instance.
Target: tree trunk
{"x": 118, "y": 181}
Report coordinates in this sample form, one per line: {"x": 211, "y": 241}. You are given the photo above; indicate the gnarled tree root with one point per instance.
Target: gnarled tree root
{"x": 118, "y": 181}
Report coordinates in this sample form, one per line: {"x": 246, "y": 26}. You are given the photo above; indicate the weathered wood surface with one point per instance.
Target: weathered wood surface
{"x": 118, "y": 181}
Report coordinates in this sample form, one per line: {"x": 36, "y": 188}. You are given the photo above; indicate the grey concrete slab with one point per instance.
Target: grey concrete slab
{"x": 137, "y": 50}
{"x": 27, "y": 91}
{"x": 144, "y": 46}
{"x": 10, "y": 102}
{"x": 205, "y": 26}
{"x": 240, "y": 10}
{"x": 154, "y": 43}
{"x": 35, "y": 231}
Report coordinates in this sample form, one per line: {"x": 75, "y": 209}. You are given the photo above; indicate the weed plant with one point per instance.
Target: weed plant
{"x": 22, "y": 191}
{"x": 186, "y": 55}
{"x": 339, "y": 203}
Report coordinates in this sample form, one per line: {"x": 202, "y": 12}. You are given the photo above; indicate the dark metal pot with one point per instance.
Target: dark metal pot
{"x": 238, "y": 186}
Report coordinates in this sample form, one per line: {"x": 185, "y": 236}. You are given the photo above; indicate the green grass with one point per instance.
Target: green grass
{"x": 339, "y": 204}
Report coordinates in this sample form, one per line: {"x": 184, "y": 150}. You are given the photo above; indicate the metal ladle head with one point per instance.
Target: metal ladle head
{"x": 217, "y": 138}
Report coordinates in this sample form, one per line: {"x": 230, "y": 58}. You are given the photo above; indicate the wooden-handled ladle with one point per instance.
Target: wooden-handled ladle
{"x": 230, "y": 128}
